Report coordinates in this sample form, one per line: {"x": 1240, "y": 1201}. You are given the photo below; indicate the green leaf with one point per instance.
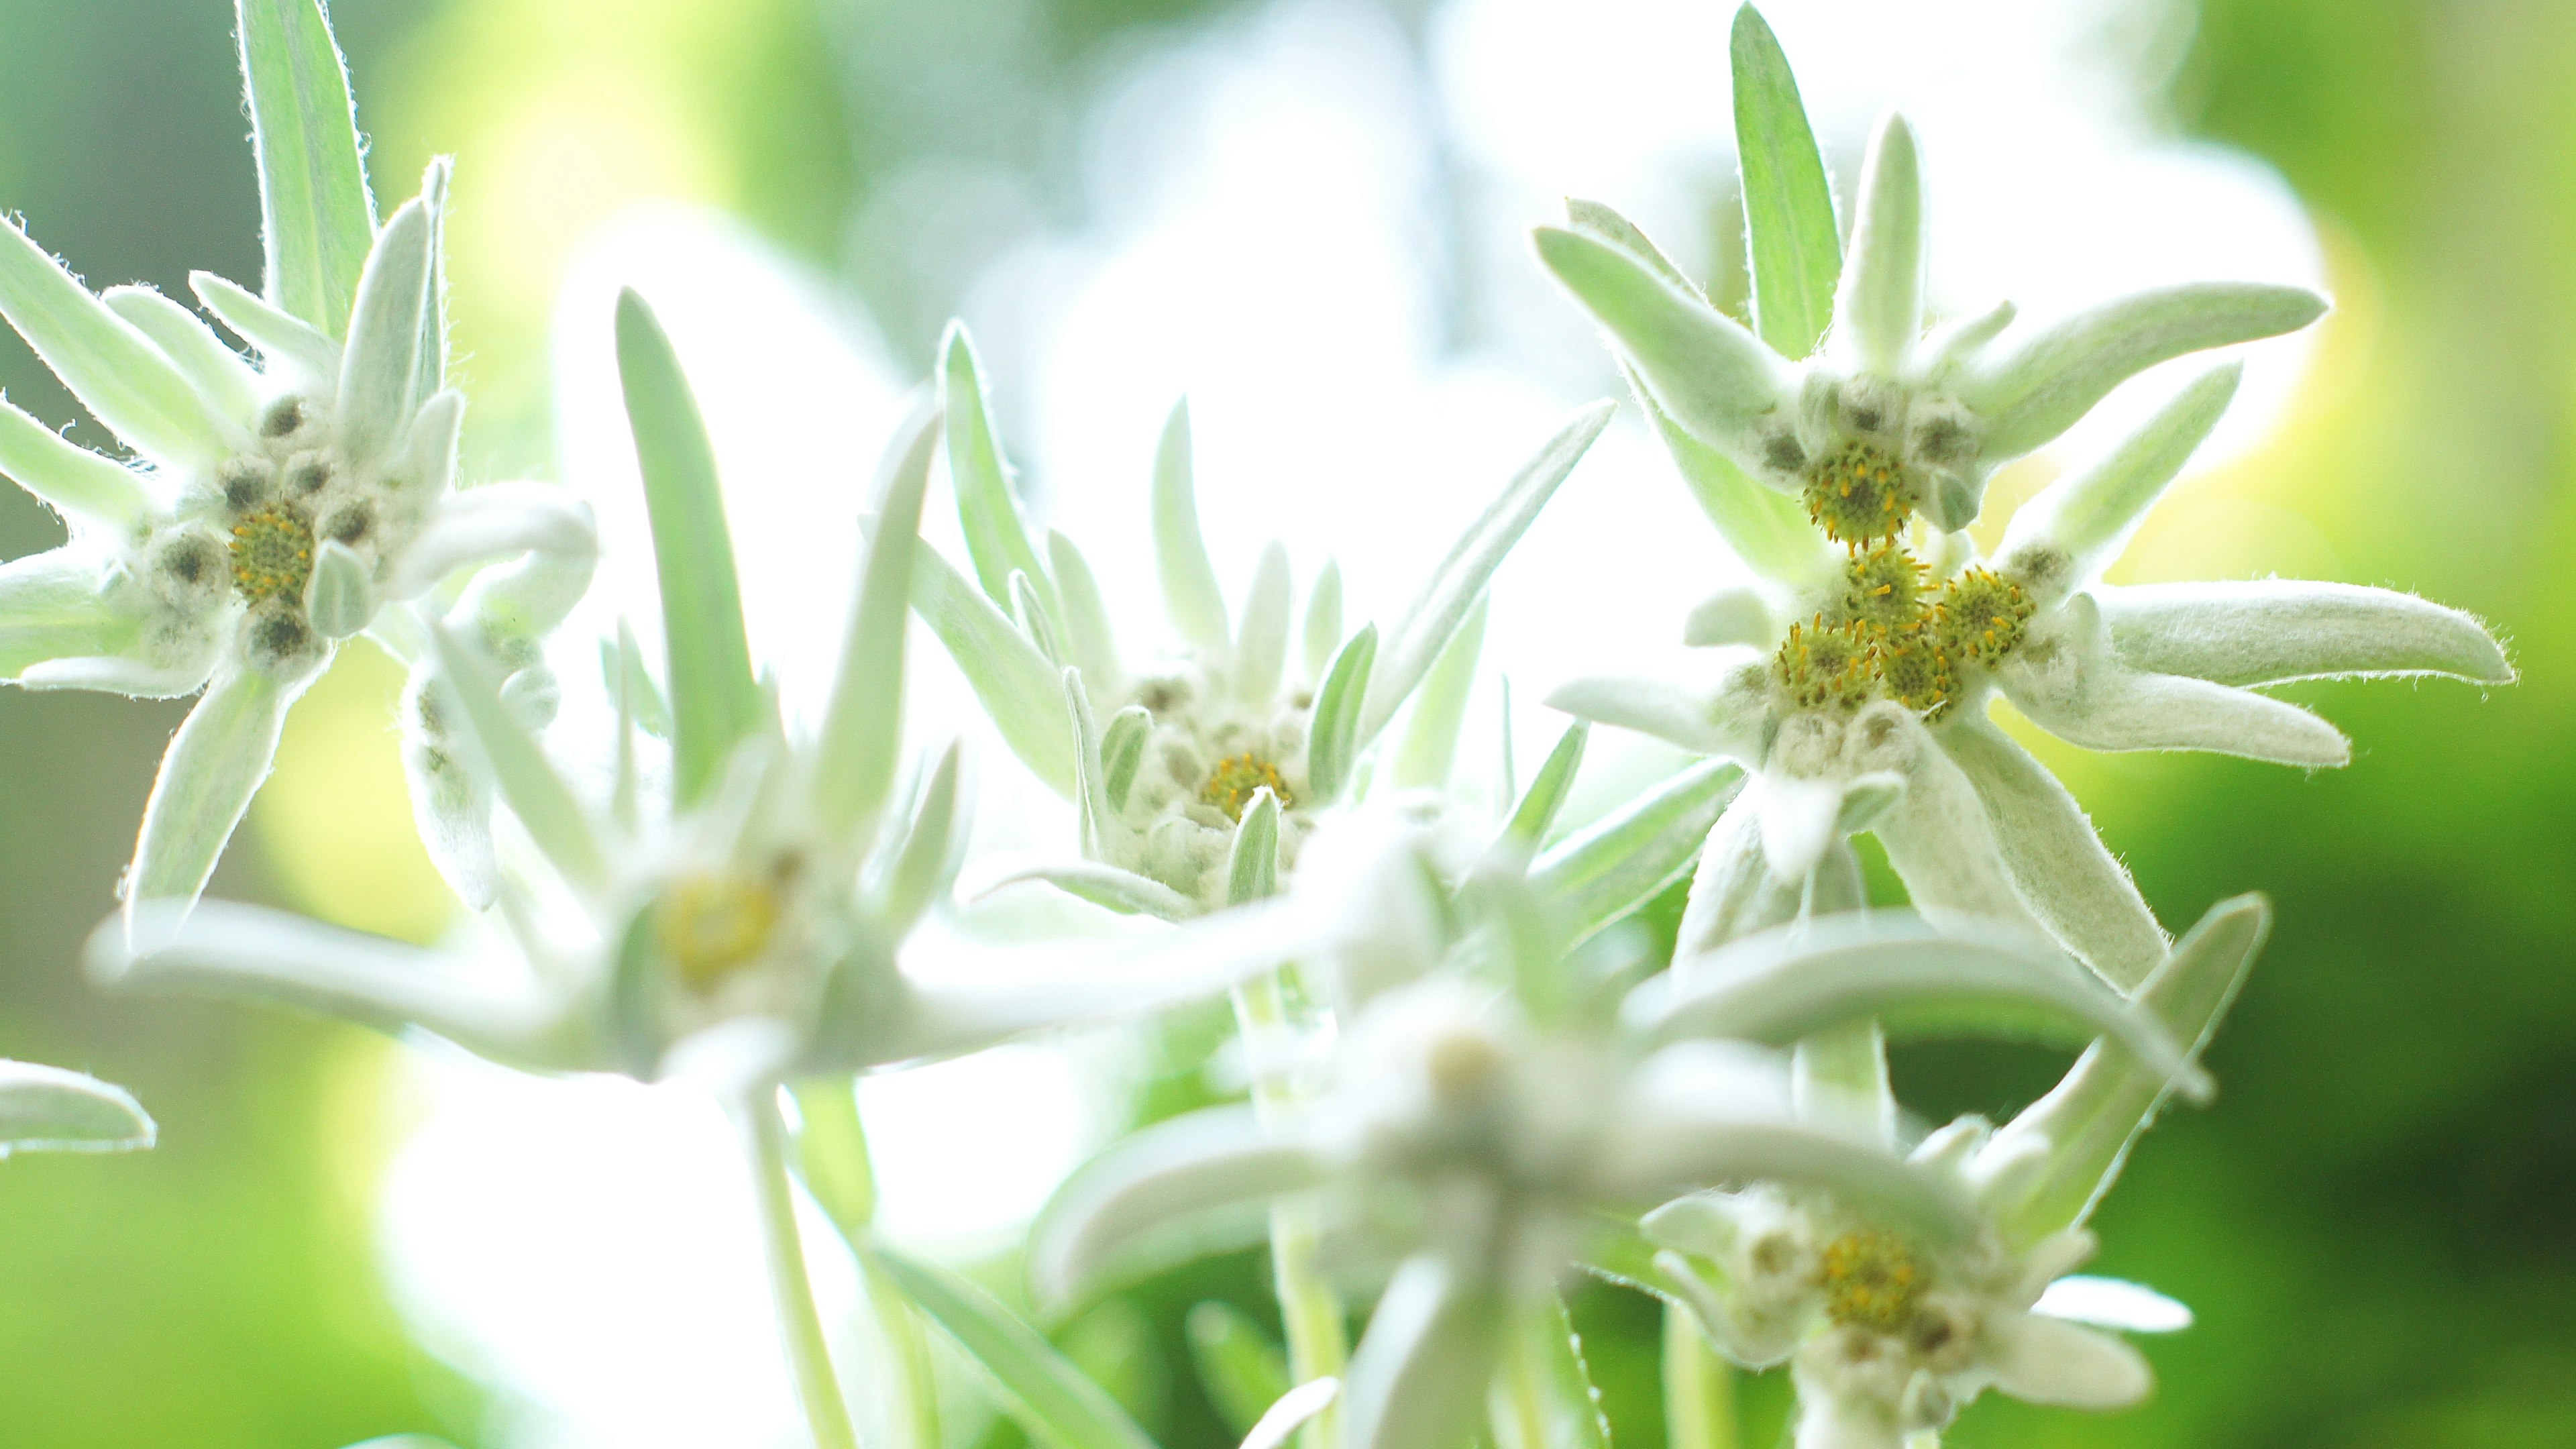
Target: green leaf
{"x": 997, "y": 537}
{"x": 1545, "y": 1399}
{"x": 1536, "y": 813}
{"x": 317, "y": 220}
{"x": 715, "y": 703}
{"x": 49, "y": 1109}
{"x": 1334, "y": 745}
{"x": 215, "y": 764}
{"x": 118, "y": 374}
{"x": 1018, "y": 685}
{"x": 73, "y": 479}
{"x": 288, "y": 343}
{"x": 1243, "y": 1372}
{"x": 1190, "y": 592}
{"x": 555, "y": 817}
{"x": 832, "y": 1153}
{"x": 1879, "y": 310}
{"x": 52, "y": 608}
{"x": 1618, "y": 862}
{"x": 1610, "y": 226}
{"x": 2090, "y": 515}
{"x": 1428, "y": 748}
{"x": 380, "y": 368}
{"x": 934, "y": 846}
{"x": 1788, "y": 204}
{"x": 1122, "y": 749}
{"x": 1047, "y": 1394}
{"x": 1089, "y": 637}
{"x": 1252, "y": 869}
{"x": 222, "y": 378}
{"x": 1764, "y": 527}
{"x": 863, "y": 726}
{"x": 1453, "y": 588}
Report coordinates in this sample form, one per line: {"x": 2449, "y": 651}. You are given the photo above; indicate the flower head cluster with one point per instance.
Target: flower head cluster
{"x": 269, "y": 510}
{"x": 1842, "y": 451}
{"x": 1164, "y": 759}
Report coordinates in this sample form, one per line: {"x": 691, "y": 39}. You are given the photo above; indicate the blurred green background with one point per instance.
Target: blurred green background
{"x": 2378, "y": 1223}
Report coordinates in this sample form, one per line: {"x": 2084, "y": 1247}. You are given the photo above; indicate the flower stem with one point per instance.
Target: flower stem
{"x": 1309, "y": 1310}
{"x": 1699, "y": 1388}
{"x": 832, "y": 1157}
{"x": 826, "y": 1416}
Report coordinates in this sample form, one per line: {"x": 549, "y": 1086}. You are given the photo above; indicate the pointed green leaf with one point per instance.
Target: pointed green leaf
{"x": 1333, "y": 745}
{"x": 863, "y": 725}
{"x": 2084, "y": 520}
{"x": 1429, "y": 744}
{"x": 1607, "y": 224}
{"x": 714, "y": 702}
{"x": 1323, "y": 620}
{"x": 341, "y": 597}
{"x": 215, "y": 764}
{"x": 1618, "y": 862}
{"x": 997, "y": 537}
{"x": 1453, "y": 588}
{"x": 57, "y": 605}
{"x": 933, "y": 848}
{"x": 73, "y": 479}
{"x": 2270, "y": 631}
{"x": 1051, "y": 1398}
{"x": 1788, "y": 205}
{"x": 118, "y": 374}
{"x": 1089, "y": 638}
{"x": 287, "y": 343}
{"x": 1018, "y": 686}
{"x": 1190, "y": 593}
{"x": 380, "y": 368}
{"x": 222, "y": 378}
{"x": 1122, "y": 749}
{"x": 1764, "y": 527}
{"x": 1536, "y": 812}
{"x": 1878, "y": 310}
{"x": 1545, "y": 1398}
{"x": 316, "y": 218}
{"x": 48, "y": 1109}
{"x": 1252, "y": 869}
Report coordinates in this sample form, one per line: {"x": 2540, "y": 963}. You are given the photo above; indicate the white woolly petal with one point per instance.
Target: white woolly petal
{"x": 2113, "y": 1303}
{"x": 1943, "y": 847}
{"x": 1798, "y": 818}
{"x": 2051, "y": 1361}
{"x": 2068, "y": 680}
{"x": 2266, "y": 631}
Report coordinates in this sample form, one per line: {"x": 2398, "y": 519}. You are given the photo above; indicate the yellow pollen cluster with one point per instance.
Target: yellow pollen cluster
{"x": 713, "y": 924}
{"x": 1871, "y": 1279}
{"x": 272, "y": 549}
{"x": 1827, "y": 666}
{"x": 1237, "y": 778}
{"x": 1980, "y": 616}
{"x": 1883, "y": 586}
{"x": 1858, "y": 494}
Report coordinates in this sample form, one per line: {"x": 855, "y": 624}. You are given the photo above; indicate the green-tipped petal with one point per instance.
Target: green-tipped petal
{"x": 1122, "y": 749}
{"x": 1879, "y": 308}
{"x": 1716, "y": 379}
{"x": 2114, "y": 707}
{"x": 997, "y": 537}
{"x": 1535, "y": 813}
{"x": 226, "y": 382}
{"x": 2271, "y": 631}
{"x": 215, "y": 764}
{"x": 90, "y": 488}
{"x": 118, "y": 373}
{"x": 1334, "y": 741}
{"x": 2078, "y": 525}
{"x": 48, "y": 1109}
{"x": 2038, "y": 389}
{"x": 1089, "y": 639}
{"x": 1323, "y": 620}
{"x": 1261, "y": 641}
{"x": 1454, "y": 587}
{"x": 1190, "y": 593}
{"x": 715, "y": 703}
{"x": 1154, "y": 1181}
{"x": 863, "y": 725}
{"x": 380, "y": 369}
{"x": 2084, "y": 1128}
{"x": 316, "y": 217}
{"x": 1018, "y": 685}
{"x": 2071, "y": 881}
{"x": 1429, "y": 744}
{"x": 1252, "y": 866}
{"x": 554, "y": 816}
{"x": 1794, "y": 246}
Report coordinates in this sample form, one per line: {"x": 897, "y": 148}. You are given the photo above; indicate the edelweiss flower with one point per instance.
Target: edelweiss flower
{"x": 1891, "y": 1333}
{"x": 1487, "y": 1108}
{"x": 270, "y": 511}
{"x": 1878, "y": 637}
{"x": 745, "y": 928}
{"x": 1164, "y": 759}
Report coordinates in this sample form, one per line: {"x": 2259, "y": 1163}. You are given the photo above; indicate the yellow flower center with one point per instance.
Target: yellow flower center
{"x": 1872, "y": 1279}
{"x": 1827, "y": 666}
{"x": 1237, "y": 778}
{"x": 272, "y": 549}
{"x": 1980, "y": 616}
{"x": 1858, "y": 494}
{"x": 713, "y": 924}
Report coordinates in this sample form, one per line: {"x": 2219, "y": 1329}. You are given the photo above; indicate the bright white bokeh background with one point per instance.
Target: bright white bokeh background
{"x": 1311, "y": 222}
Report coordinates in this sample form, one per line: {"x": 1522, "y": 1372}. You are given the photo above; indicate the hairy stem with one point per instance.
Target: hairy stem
{"x": 826, "y": 1416}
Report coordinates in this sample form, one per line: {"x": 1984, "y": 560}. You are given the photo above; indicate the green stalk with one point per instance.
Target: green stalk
{"x": 810, "y": 1356}
{"x": 832, "y": 1156}
{"x": 1699, "y": 1388}
{"x": 1520, "y": 1408}
{"x": 1309, "y": 1310}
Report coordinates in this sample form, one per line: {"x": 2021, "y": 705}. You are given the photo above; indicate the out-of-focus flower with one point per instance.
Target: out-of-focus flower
{"x": 1164, "y": 758}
